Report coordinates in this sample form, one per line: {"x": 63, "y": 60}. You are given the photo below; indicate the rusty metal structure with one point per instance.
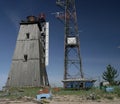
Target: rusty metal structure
{"x": 28, "y": 68}
{"x": 72, "y": 58}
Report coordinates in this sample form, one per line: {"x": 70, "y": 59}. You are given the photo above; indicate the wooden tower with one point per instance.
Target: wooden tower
{"x": 28, "y": 67}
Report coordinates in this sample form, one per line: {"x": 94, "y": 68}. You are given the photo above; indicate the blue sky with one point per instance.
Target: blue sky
{"x": 99, "y": 26}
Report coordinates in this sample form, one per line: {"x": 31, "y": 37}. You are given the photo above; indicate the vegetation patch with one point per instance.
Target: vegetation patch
{"x": 91, "y": 94}
{"x": 14, "y": 93}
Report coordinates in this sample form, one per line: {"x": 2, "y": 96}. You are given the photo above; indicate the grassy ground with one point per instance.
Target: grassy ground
{"x": 14, "y": 93}
{"x": 94, "y": 92}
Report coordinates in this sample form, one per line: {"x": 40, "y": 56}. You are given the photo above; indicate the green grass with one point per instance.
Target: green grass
{"x": 76, "y": 92}
{"x": 99, "y": 94}
{"x": 16, "y": 93}
{"x": 117, "y": 91}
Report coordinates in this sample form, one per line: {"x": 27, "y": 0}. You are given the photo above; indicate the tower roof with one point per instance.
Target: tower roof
{"x": 33, "y": 20}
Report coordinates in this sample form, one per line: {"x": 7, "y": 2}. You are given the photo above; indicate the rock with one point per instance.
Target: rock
{"x": 92, "y": 96}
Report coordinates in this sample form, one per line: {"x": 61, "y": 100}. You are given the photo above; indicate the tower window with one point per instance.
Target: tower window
{"x": 27, "y": 35}
{"x": 25, "y": 58}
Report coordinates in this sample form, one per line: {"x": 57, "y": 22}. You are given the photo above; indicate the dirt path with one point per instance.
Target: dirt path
{"x": 81, "y": 100}
{"x": 61, "y": 100}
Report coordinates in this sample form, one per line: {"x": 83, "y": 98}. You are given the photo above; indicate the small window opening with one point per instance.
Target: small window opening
{"x": 43, "y": 97}
{"x": 27, "y": 35}
{"x": 25, "y": 57}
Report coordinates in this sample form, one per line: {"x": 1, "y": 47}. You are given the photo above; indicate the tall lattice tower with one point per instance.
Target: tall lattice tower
{"x": 28, "y": 68}
{"x": 72, "y": 58}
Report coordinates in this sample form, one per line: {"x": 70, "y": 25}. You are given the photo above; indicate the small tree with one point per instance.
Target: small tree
{"x": 110, "y": 75}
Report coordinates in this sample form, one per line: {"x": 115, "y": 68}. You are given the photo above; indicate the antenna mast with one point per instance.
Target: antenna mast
{"x": 72, "y": 58}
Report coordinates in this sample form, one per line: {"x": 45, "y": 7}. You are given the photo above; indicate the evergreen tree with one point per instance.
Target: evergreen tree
{"x": 110, "y": 75}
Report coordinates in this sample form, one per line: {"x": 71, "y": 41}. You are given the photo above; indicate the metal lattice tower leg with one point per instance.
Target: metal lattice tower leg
{"x": 72, "y": 58}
